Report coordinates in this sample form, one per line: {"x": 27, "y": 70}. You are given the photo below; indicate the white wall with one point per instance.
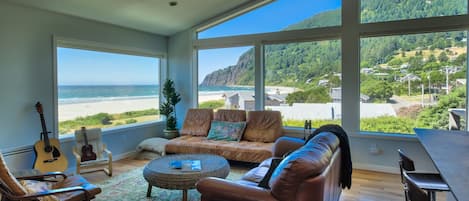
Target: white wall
{"x": 181, "y": 71}
{"x": 26, "y": 75}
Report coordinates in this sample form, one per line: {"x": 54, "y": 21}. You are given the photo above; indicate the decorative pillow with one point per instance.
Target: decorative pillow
{"x": 224, "y": 130}
{"x": 33, "y": 187}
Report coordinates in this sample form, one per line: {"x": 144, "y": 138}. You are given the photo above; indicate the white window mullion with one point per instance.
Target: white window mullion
{"x": 350, "y": 66}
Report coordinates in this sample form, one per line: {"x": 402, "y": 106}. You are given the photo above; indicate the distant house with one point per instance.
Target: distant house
{"x": 409, "y": 77}
{"x": 366, "y": 71}
{"x": 336, "y": 95}
{"x": 323, "y": 82}
{"x": 246, "y": 101}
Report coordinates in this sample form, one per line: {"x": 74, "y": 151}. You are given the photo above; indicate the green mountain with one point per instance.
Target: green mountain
{"x": 298, "y": 64}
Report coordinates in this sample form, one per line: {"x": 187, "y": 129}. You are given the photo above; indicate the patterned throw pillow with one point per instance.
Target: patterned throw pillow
{"x": 224, "y": 130}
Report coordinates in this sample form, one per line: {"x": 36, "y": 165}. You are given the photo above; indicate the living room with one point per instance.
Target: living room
{"x": 31, "y": 34}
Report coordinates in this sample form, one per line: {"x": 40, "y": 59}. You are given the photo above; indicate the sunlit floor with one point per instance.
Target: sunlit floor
{"x": 366, "y": 185}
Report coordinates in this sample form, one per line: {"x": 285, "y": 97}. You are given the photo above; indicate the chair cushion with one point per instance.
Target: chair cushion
{"x": 263, "y": 126}
{"x": 230, "y": 115}
{"x": 9, "y": 180}
{"x": 76, "y": 180}
{"x": 197, "y": 122}
{"x": 308, "y": 161}
{"x": 33, "y": 187}
{"x": 224, "y": 130}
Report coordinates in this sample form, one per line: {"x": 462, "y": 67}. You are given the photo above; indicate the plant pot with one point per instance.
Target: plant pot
{"x": 170, "y": 134}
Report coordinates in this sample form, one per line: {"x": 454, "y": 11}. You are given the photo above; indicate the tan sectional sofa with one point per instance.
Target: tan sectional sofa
{"x": 261, "y": 131}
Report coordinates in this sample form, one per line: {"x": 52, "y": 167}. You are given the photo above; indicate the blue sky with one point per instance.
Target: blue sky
{"x": 84, "y": 67}
{"x": 80, "y": 67}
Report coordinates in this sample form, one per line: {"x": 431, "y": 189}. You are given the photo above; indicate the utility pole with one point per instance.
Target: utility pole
{"x": 421, "y": 86}
{"x": 447, "y": 86}
{"x": 429, "y": 89}
{"x": 408, "y": 85}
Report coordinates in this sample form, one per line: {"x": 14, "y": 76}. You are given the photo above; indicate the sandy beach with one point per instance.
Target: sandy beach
{"x": 71, "y": 111}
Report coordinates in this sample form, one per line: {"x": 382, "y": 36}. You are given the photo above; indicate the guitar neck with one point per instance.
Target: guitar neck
{"x": 83, "y": 130}
{"x": 44, "y": 130}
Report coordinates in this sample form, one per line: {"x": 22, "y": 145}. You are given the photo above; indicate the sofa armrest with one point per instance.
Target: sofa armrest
{"x": 212, "y": 188}
{"x": 285, "y": 145}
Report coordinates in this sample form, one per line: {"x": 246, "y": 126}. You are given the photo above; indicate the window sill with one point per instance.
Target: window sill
{"x": 117, "y": 129}
{"x": 299, "y": 131}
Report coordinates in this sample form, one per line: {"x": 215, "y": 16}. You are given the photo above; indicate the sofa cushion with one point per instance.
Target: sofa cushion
{"x": 224, "y": 130}
{"x": 263, "y": 126}
{"x": 246, "y": 151}
{"x": 197, "y": 122}
{"x": 308, "y": 161}
{"x": 230, "y": 115}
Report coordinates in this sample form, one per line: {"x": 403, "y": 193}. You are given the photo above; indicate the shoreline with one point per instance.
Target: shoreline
{"x": 69, "y": 110}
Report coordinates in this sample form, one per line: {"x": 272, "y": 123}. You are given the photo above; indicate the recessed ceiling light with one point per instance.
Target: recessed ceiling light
{"x": 173, "y": 3}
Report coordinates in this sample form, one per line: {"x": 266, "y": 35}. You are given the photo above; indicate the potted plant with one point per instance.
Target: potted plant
{"x": 168, "y": 108}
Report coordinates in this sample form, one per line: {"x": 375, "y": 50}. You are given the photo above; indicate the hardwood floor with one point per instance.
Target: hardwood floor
{"x": 366, "y": 185}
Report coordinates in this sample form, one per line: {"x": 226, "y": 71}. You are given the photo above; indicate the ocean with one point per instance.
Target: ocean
{"x": 93, "y": 93}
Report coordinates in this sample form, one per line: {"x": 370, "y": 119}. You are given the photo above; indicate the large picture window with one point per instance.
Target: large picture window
{"x": 413, "y": 81}
{"x": 102, "y": 89}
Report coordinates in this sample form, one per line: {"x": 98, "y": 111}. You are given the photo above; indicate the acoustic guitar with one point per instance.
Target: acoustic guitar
{"x": 49, "y": 158}
{"x": 87, "y": 153}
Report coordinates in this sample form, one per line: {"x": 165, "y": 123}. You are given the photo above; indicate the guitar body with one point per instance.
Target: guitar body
{"x": 51, "y": 161}
{"x": 87, "y": 153}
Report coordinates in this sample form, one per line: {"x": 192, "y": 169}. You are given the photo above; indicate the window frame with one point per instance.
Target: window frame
{"x": 350, "y": 33}
{"x": 65, "y": 42}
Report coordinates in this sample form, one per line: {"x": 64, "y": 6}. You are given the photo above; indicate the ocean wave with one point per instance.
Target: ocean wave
{"x": 100, "y": 99}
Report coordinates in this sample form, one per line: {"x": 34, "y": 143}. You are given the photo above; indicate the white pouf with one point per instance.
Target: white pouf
{"x": 152, "y": 148}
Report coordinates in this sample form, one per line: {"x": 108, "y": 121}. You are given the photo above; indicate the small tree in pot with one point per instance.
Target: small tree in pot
{"x": 168, "y": 108}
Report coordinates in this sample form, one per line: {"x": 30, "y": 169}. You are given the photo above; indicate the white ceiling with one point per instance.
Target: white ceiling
{"x": 154, "y": 16}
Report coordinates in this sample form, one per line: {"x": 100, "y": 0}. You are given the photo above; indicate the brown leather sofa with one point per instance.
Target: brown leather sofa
{"x": 261, "y": 131}
{"x": 310, "y": 173}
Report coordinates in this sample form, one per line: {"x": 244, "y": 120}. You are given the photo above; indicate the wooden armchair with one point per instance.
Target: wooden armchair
{"x": 103, "y": 155}
{"x": 47, "y": 187}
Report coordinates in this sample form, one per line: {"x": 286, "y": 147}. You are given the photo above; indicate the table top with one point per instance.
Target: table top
{"x": 449, "y": 152}
{"x": 159, "y": 173}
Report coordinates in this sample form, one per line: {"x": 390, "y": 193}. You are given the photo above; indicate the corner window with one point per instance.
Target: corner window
{"x": 413, "y": 81}
{"x": 102, "y": 90}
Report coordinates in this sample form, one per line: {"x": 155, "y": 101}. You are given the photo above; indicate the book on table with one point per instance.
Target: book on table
{"x": 186, "y": 165}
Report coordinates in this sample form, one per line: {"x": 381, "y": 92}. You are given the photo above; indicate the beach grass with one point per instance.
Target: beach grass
{"x": 213, "y": 104}
{"x": 105, "y": 120}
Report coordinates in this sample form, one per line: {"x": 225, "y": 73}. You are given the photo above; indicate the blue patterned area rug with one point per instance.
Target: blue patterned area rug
{"x": 131, "y": 186}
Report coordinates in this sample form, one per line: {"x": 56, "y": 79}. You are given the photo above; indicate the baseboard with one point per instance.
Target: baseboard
{"x": 376, "y": 168}
{"x": 17, "y": 150}
{"x": 124, "y": 155}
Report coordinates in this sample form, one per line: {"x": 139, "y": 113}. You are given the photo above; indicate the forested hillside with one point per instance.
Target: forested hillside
{"x": 297, "y": 64}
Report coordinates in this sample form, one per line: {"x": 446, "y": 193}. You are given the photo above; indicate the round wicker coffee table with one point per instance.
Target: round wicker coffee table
{"x": 159, "y": 173}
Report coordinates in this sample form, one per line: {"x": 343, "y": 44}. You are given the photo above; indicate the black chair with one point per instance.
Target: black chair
{"x": 414, "y": 193}
{"x": 430, "y": 182}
